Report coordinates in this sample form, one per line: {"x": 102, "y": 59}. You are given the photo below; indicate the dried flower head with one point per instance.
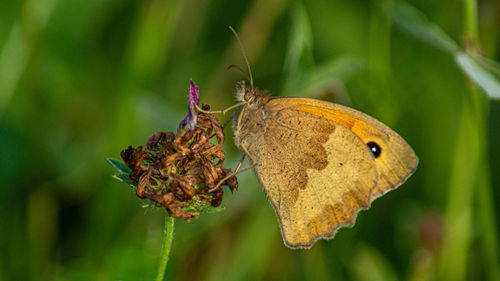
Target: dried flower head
{"x": 182, "y": 172}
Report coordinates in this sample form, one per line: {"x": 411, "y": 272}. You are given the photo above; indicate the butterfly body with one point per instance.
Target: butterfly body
{"x": 319, "y": 163}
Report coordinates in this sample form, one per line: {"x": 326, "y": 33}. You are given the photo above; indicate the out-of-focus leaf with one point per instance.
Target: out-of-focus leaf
{"x": 415, "y": 23}
{"x": 252, "y": 252}
{"x": 479, "y": 75}
{"x": 370, "y": 264}
{"x": 339, "y": 69}
{"x": 490, "y": 65}
{"x": 13, "y": 59}
{"x": 299, "y": 50}
{"x": 301, "y": 74}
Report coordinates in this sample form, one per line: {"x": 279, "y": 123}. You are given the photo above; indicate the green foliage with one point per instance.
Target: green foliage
{"x": 479, "y": 75}
{"x": 412, "y": 21}
{"x": 80, "y": 80}
{"x": 123, "y": 172}
{"x": 416, "y": 24}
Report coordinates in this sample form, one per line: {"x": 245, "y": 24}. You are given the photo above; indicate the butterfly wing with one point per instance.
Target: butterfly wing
{"x": 397, "y": 160}
{"x": 316, "y": 173}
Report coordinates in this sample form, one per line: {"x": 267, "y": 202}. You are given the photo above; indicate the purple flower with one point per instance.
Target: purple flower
{"x": 193, "y": 98}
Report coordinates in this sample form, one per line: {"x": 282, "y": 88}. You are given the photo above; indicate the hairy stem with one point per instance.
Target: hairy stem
{"x": 169, "y": 235}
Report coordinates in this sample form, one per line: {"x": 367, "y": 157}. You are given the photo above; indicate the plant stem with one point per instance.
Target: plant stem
{"x": 470, "y": 10}
{"x": 169, "y": 235}
{"x": 485, "y": 203}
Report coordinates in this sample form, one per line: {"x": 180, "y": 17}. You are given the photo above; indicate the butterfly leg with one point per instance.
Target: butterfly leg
{"x": 223, "y": 112}
{"x": 236, "y": 171}
{"x": 229, "y": 120}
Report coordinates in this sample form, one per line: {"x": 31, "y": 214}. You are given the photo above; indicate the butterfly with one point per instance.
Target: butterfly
{"x": 319, "y": 163}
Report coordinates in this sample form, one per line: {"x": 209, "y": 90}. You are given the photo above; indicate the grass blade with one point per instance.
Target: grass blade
{"x": 479, "y": 75}
{"x": 414, "y": 22}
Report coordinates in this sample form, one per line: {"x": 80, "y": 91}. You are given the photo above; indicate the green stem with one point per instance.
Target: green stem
{"x": 488, "y": 228}
{"x": 169, "y": 235}
{"x": 473, "y": 179}
{"x": 470, "y": 10}
{"x": 457, "y": 236}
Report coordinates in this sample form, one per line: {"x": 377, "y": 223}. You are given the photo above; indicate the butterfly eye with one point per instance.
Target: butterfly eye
{"x": 249, "y": 96}
{"x": 375, "y": 149}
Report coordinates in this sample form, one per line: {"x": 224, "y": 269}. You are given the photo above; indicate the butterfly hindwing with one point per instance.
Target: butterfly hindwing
{"x": 316, "y": 173}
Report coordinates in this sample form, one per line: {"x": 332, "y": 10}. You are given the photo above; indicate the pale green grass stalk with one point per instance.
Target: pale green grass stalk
{"x": 486, "y": 210}
{"x": 470, "y": 181}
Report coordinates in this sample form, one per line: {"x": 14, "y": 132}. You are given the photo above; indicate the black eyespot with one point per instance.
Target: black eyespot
{"x": 375, "y": 149}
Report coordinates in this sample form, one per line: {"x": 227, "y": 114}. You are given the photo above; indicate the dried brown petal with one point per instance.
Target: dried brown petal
{"x": 143, "y": 182}
{"x": 232, "y": 183}
{"x": 133, "y": 157}
{"x": 210, "y": 174}
{"x": 160, "y": 137}
{"x": 186, "y": 189}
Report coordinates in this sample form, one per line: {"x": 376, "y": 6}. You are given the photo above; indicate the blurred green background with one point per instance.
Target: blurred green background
{"x": 80, "y": 80}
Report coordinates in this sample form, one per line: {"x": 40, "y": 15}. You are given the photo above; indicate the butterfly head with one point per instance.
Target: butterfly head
{"x": 249, "y": 95}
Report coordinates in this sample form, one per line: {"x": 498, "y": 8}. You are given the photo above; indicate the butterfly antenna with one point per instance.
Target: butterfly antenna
{"x": 239, "y": 69}
{"x": 244, "y": 55}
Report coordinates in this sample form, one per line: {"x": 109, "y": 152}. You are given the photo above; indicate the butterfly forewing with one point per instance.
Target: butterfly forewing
{"x": 396, "y": 162}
